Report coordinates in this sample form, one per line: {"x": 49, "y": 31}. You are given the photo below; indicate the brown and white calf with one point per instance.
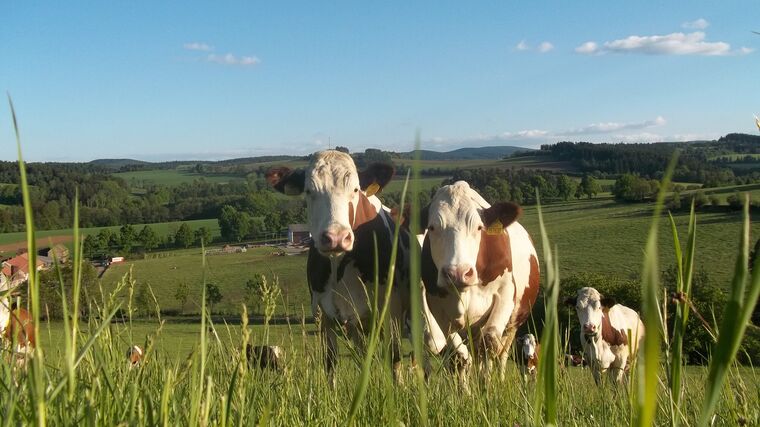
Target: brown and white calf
{"x": 266, "y": 356}
{"x": 605, "y": 328}
{"x": 529, "y": 352}
{"x": 346, "y": 220}
{"x": 16, "y": 324}
{"x": 480, "y": 271}
{"x": 134, "y": 356}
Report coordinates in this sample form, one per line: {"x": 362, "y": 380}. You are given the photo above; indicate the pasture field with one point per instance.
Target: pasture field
{"x": 174, "y": 378}
{"x": 9, "y": 242}
{"x": 165, "y": 271}
{"x": 171, "y": 177}
{"x": 529, "y": 162}
{"x": 425, "y": 184}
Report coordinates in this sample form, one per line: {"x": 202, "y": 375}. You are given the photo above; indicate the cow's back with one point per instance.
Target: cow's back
{"x": 625, "y": 319}
{"x": 525, "y": 272}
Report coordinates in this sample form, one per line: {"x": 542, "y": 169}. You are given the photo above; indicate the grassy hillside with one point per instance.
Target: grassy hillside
{"x": 170, "y": 177}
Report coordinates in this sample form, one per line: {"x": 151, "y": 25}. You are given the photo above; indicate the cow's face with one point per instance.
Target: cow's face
{"x": 528, "y": 344}
{"x": 457, "y": 225}
{"x": 590, "y": 306}
{"x": 335, "y": 200}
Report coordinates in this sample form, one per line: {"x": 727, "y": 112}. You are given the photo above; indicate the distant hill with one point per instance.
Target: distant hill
{"x": 117, "y": 163}
{"x": 478, "y": 153}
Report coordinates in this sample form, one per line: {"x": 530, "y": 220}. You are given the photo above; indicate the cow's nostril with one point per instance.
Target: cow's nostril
{"x": 326, "y": 239}
{"x": 469, "y": 273}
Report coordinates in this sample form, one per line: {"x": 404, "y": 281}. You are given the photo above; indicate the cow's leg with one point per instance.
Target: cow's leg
{"x": 507, "y": 340}
{"x": 501, "y": 312}
{"x": 596, "y": 371}
{"x": 461, "y": 360}
{"x": 330, "y": 337}
{"x": 435, "y": 339}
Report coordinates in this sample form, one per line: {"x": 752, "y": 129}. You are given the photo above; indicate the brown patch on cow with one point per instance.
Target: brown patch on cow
{"x": 365, "y": 212}
{"x": 494, "y": 256}
{"x": 610, "y": 335}
{"x": 134, "y": 355}
{"x": 530, "y": 294}
{"x": 22, "y": 326}
{"x": 532, "y": 361}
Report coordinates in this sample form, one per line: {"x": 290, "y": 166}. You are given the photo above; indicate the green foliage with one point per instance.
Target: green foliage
{"x": 184, "y": 238}
{"x": 233, "y": 224}
{"x": 588, "y": 186}
{"x": 50, "y": 288}
{"x": 202, "y": 236}
{"x": 633, "y": 188}
{"x": 148, "y": 238}
{"x": 213, "y": 295}
{"x": 181, "y": 294}
{"x": 127, "y": 237}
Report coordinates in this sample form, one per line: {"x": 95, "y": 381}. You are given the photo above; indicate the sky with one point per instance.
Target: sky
{"x": 216, "y": 80}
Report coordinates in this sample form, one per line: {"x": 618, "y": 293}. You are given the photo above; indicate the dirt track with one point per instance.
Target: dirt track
{"x": 41, "y": 242}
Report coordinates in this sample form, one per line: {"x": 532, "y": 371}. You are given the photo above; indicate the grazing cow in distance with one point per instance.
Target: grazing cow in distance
{"x": 529, "y": 351}
{"x": 346, "y": 221}
{"x": 481, "y": 274}
{"x": 16, "y": 323}
{"x": 266, "y": 356}
{"x": 134, "y": 356}
{"x": 605, "y": 331}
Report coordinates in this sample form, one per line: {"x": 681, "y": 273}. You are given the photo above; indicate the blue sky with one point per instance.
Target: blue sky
{"x": 197, "y": 80}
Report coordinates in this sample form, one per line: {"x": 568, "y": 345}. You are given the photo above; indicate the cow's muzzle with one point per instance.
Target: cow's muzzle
{"x": 336, "y": 241}
{"x": 459, "y": 276}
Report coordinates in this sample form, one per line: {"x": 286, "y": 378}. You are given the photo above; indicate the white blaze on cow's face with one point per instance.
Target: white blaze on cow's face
{"x": 332, "y": 192}
{"x": 528, "y": 345}
{"x": 588, "y": 306}
{"x": 455, "y": 227}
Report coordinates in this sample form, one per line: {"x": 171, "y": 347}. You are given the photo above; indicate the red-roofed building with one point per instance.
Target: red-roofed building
{"x": 20, "y": 265}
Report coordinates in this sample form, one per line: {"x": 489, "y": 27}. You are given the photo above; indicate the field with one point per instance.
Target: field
{"x": 529, "y": 162}
{"x": 170, "y": 177}
{"x": 9, "y": 242}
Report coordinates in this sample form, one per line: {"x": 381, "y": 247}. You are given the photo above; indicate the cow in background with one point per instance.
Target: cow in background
{"x": 481, "y": 274}
{"x": 16, "y": 323}
{"x": 529, "y": 349}
{"x": 605, "y": 330}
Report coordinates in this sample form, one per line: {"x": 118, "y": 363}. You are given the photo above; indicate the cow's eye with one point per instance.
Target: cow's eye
{"x": 308, "y": 192}
{"x": 356, "y": 190}
{"x": 480, "y": 228}
{"x": 431, "y": 228}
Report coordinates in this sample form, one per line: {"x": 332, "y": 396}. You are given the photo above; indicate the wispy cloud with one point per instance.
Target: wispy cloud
{"x": 609, "y": 127}
{"x": 204, "y": 47}
{"x": 545, "y": 47}
{"x": 615, "y": 131}
{"x": 230, "y": 59}
{"x": 669, "y": 44}
{"x": 699, "y": 24}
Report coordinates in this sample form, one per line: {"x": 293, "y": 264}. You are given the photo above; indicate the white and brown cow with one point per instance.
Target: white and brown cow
{"x": 529, "y": 353}
{"x": 134, "y": 356}
{"x": 346, "y": 220}
{"x": 480, "y": 271}
{"x": 16, "y": 323}
{"x": 605, "y": 328}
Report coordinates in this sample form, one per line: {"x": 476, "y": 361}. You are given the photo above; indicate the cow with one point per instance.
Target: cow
{"x": 266, "y": 356}
{"x": 134, "y": 356}
{"x": 16, "y": 323}
{"x": 605, "y": 331}
{"x": 347, "y": 222}
{"x": 480, "y": 272}
{"x": 529, "y": 351}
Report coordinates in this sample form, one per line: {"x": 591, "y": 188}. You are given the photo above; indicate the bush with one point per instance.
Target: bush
{"x": 715, "y": 200}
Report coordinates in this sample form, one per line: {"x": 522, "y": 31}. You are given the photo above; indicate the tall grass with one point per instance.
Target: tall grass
{"x": 87, "y": 381}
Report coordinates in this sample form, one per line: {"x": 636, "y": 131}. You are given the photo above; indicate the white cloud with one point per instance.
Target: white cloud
{"x": 699, "y": 24}
{"x": 230, "y": 59}
{"x": 198, "y": 46}
{"x": 522, "y": 46}
{"x": 669, "y": 44}
{"x": 545, "y": 47}
{"x": 609, "y": 127}
{"x": 745, "y": 50}
{"x": 588, "y": 48}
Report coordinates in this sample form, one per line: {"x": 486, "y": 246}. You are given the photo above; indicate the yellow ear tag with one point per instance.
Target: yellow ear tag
{"x": 372, "y": 189}
{"x": 495, "y": 229}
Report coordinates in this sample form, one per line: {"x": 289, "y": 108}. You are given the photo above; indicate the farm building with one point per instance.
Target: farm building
{"x": 298, "y": 233}
{"x": 19, "y": 266}
{"x": 59, "y": 252}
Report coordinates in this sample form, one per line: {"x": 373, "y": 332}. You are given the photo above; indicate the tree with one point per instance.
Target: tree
{"x": 127, "y": 237}
{"x": 589, "y": 186}
{"x": 143, "y": 300}
{"x": 565, "y": 187}
{"x": 148, "y": 238}
{"x": 92, "y": 247}
{"x": 213, "y": 295}
{"x": 181, "y": 294}
{"x": 184, "y": 237}
{"x": 232, "y": 225}
{"x": 341, "y": 149}
{"x": 674, "y": 203}
{"x": 202, "y": 236}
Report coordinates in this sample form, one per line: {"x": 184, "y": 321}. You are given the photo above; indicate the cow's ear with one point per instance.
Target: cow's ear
{"x": 424, "y": 219}
{"x": 505, "y": 212}
{"x": 286, "y": 180}
{"x": 570, "y": 301}
{"x": 608, "y": 302}
{"x": 375, "y": 177}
